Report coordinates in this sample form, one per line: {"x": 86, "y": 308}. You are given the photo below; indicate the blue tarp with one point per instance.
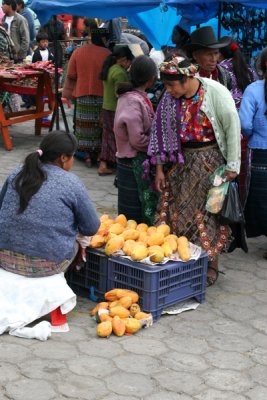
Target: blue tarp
{"x": 155, "y": 18}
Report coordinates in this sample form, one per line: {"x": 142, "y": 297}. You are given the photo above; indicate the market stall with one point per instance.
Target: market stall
{"x": 33, "y": 79}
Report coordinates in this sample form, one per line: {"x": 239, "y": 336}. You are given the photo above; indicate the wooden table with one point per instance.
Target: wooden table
{"x": 44, "y": 87}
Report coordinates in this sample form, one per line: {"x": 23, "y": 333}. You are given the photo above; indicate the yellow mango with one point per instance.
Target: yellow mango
{"x": 142, "y": 315}
{"x": 134, "y": 309}
{"x": 127, "y": 292}
{"x": 157, "y": 255}
{"x": 139, "y": 252}
{"x": 142, "y": 227}
{"x": 97, "y": 241}
{"x": 184, "y": 252}
{"x": 104, "y": 329}
{"x": 132, "y": 325}
{"x": 116, "y": 228}
{"x": 131, "y": 224}
{"x": 125, "y": 302}
{"x": 121, "y": 219}
{"x": 128, "y": 247}
{"x": 182, "y": 240}
{"x": 143, "y": 237}
{"x": 109, "y": 222}
{"x": 151, "y": 229}
{"x": 111, "y": 295}
{"x": 113, "y": 303}
{"x": 103, "y": 304}
{"x": 130, "y": 234}
{"x": 104, "y": 217}
{"x": 164, "y": 229}
{"x": 120, "y": 311}
{"x": 105, "y": 317}
{"x": 167, "y": 249}
{"x": 118, "y": 326}
{"x": 172, "y": 242}
{"x": 155, "y": 238}
{"x": 113, "y": 245}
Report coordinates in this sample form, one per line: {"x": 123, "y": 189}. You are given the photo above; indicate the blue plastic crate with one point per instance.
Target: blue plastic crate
{"x": 91, "y": 280}
{"x": 162, "y": 285}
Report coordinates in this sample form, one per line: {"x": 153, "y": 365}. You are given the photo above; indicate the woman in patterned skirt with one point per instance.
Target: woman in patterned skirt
{"x": 83, "y": 74}
{"x": 191, "y": 136}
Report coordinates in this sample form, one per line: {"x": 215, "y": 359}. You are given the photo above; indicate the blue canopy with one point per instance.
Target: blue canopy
{"x": 155, "y": 18}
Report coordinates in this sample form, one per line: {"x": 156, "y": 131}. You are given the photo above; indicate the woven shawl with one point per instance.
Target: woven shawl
{"x": 164, "y": 137}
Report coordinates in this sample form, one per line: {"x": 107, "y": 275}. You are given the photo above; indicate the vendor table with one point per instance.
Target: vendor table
{"x": 15, "y": 82}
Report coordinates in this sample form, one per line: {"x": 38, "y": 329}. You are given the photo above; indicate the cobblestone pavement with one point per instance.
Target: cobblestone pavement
{"x": 217, "y": 352}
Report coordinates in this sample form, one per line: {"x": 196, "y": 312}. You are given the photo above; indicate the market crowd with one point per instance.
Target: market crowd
{"x": 163, "y": 122}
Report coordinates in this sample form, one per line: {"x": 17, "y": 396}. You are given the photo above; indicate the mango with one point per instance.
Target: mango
{"x": 105, "y": 317}
{"x": 114, "y": 244}
{"x": 125, "y": 302}
{"x": 155, "y": 238}
{"x": 120, "y": 311}
{"x": 134, "y": 309}
{"x": 132, "y": 325}
{"x": 131, "y": 224}
{"x": 142, "y": 315}
{"x": 103, "y": 304}
{"x": 122, "y": 220}
{"x": 104, "y": 217}
{"x": 142, "y": 227}
{"x": 127, "y": 292}
{"x": 97, "y": 241}
{"x": 151, "y": 229}
{"x": 182, "y": 240}
{"x": 164, "y": 229}
{"x": 172, "y": 242}
{"x": 184, "y": 252}
{"x": 143, "y": 237}
{"x": 116, "y": 228}
{"x": 118, "y": 326}
{"x": 167, "y": 249}
{"x": 104, "y": 329}
{"x": 130, "y": 234}
{"x": 128, "y": 247}
{"x": 157, "y": 255}
{"x": 139, "y": 252}
{"x": 111, "y": 296}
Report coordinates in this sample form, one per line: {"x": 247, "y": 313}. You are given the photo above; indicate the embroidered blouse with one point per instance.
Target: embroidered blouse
{"x": 195, "y": 125}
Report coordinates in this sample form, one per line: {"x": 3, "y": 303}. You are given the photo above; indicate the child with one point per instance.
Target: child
{"x": 42, "y": 53}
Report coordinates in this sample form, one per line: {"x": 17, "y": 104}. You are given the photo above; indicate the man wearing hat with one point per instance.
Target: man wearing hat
{"x": 203, "y": 48}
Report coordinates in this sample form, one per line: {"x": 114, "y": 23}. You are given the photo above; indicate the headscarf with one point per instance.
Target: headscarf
{"x": 172, "y": 67}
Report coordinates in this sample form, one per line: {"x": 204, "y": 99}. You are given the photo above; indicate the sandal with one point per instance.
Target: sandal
{"x": 212, "y": 279}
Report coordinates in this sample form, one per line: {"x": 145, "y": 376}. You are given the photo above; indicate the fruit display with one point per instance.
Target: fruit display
{"x": 139, "y": 241}
{"x": 120, "y": 314}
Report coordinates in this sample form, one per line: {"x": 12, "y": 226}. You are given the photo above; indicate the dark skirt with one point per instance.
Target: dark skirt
{"x": 256, "y": 207}
{"x": 136, "y": 197}
{"x": 88, "y": 125}
{"x": 182, "y": 204}
{"x": 108, "y": 147}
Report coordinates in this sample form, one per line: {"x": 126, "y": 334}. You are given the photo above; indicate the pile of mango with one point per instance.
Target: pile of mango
{"x": 119, "y": 314}
{"x": 139, "y": 240}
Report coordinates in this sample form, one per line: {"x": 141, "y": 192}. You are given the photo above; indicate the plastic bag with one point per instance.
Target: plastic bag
{"x": 217, "y": 193}
{"x": 232, "y": 212}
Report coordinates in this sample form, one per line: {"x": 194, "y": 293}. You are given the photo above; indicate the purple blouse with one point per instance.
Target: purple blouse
{"x": 235, "y": 91}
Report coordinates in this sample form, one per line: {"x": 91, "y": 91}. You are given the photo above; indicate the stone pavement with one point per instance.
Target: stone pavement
{"x": 217, "y": 352}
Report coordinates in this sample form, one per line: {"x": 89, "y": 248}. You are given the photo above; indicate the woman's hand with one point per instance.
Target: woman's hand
{"x": 160, "y": 181}
{"x": 230, "y": 175}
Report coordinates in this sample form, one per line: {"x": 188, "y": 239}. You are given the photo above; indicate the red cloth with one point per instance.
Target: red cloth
{"x": 84, "y": 68}
{"x": 213, "y": 75}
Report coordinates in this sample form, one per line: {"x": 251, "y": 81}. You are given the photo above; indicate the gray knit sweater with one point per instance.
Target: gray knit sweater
{"x": 56, "y": 213}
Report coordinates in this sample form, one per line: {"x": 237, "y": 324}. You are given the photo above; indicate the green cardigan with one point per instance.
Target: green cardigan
{"x": 116, "y": 74}
{"x": 220, "y": 109}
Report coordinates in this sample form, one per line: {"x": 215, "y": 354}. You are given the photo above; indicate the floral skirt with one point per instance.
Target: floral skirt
{"x": 182, "y": 204}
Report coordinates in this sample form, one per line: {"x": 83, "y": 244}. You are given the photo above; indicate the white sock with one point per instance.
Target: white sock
{"x": 41, "y": 331}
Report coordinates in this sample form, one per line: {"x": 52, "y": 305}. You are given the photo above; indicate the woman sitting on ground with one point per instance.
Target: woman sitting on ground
{"x": 43, "y": 207}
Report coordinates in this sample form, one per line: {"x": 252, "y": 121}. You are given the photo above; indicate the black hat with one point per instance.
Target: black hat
{"x": 205, "y": 38}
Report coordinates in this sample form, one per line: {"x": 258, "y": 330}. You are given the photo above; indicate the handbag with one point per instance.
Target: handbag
{"x": 232, "y": 211}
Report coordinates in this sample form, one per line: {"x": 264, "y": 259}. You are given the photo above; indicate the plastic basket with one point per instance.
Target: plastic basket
{"x": 159, "y": 286}
{"x": 91, "y": 280}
